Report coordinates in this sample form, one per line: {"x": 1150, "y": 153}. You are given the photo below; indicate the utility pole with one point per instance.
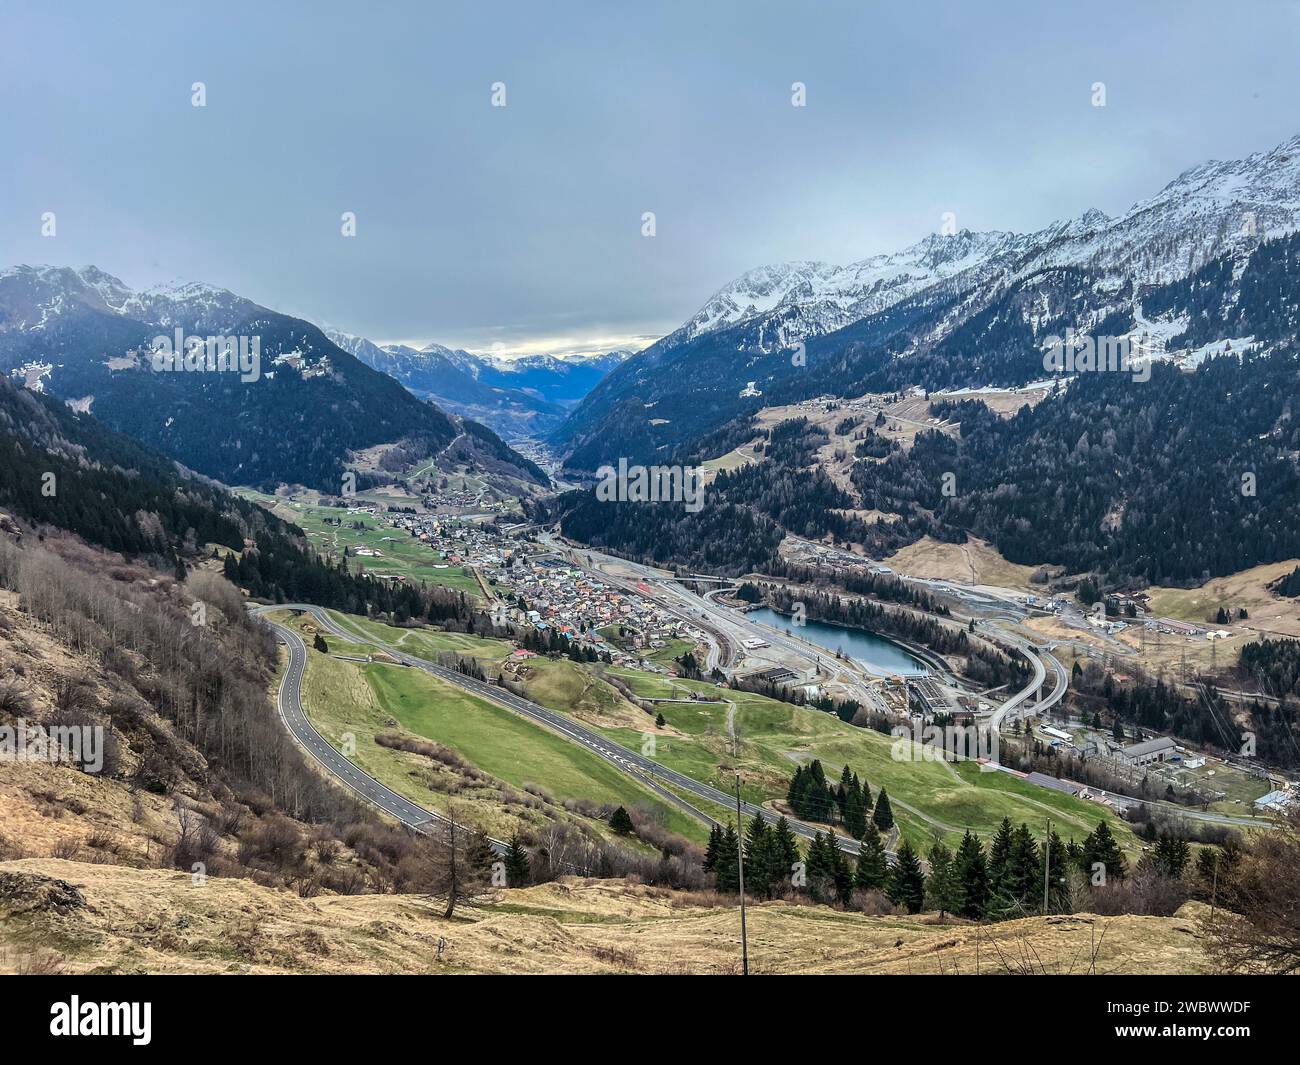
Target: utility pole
{"x": 1047, "y": 863}
{"x": 1214, "y": 888}
{"x": 740, "y": 867}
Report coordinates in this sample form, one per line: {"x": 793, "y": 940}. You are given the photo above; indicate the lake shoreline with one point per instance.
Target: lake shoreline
{"x": 887, "y": 664}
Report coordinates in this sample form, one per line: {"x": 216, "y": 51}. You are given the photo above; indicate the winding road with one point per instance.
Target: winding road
{"x": 346, "y": 772}
{"x": 650, "y": 774}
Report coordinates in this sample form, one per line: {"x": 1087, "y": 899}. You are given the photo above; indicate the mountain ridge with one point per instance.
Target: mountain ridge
{"x": 931, "y": 309}
{"x": 84, "y": 336}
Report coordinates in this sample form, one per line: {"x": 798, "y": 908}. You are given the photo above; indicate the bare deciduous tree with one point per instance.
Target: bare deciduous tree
{"x": 1261, "y": 932}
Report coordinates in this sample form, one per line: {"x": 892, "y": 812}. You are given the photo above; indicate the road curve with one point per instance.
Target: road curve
{"x": 1036, "y": 657}
{"x": 647, "y": 772}
{"x": 346, "y": 772}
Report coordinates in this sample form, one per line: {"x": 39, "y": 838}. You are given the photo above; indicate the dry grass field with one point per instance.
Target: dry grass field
{"x": 975, "y": 562}
{"x": 80, "y": 918}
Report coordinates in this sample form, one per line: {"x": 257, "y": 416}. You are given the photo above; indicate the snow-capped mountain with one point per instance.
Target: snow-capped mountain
{"x": 812, "y": 298}
{"x": 520, "y": 397}
{"x": 451, "y": 378}
{"x": 544, "y": 363}
{"x": 1206, "y": 211}
{"x": 561, "y": 380}
{"x": 295, "y": 413}
{"x": 960, "y": 310}
{"x": 35, "y": 295}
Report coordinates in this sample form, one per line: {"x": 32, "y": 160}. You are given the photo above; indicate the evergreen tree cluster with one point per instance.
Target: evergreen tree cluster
{"x": 720, "y": 537}
{"x": 1207, "y": 719}
{"x": 1289, "y": 585}
{"x": 1272, "y": 664}
{"x": 813, "y": 798}
{"x": 882, "y": 586}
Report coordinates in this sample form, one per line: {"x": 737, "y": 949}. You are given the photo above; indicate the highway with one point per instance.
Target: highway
{"x": 725, "y": 626}
{"x": 691, "y": 607}
{"x": 346, "y": 772}
{"x": 1008, "y": 709}
{"x": 646, "y": 771}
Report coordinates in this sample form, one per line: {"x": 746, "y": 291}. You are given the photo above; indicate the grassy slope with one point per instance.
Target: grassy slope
{"x": 508, "y": 747}
{"x": 361, "y": 699}
{"x": 401, "y": 555}
{"x": 773, "y": 737}
{"x": 426, "y": 642}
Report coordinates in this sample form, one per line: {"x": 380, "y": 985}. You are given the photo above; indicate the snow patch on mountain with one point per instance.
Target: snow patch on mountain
{"x": 1210, "y": 209}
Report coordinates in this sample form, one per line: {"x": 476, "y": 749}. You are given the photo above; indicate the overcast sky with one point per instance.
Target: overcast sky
{"x": 520, "y": 226}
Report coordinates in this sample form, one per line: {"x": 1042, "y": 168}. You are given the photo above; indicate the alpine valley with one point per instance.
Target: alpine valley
{"x": 935, "y": 613}
{"x": 527, "y": 397}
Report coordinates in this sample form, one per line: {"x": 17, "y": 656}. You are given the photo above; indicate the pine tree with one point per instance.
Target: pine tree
{"x": 941, "y": 887}
{"x": 794, "y": 794}
{"x": 758, "y": 858}
{"x": 620, "y": 822}
{"x": 318, "y": 643}
{"x": 785, "y": 849}
{"x": 1171, "y": 856}
{"x": 972, "y": 876}
{"x": 906, "y": 880}
{"x": 725, "y": 871}
{"x": 819, "y": 862}
{"x": 711, "y": 851}
{"x": 518, "y": 868}
{"x": 883, "y": 818}
{"x": 873, "y": 867}
{"x": 817, "y": 796}
{"x": 852, "y": 810}
{"x": 1000, "y": 859}
{"x": 841, "y": 872}
{"x": 1100, "y": 847}
{"x": 1017, "y": 892}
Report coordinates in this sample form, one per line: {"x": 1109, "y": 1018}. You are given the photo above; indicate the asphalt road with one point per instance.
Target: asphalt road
{"x": 649, "y": 773}
{"x": 1008, "y": 708}
{"x": 331, "y": 760}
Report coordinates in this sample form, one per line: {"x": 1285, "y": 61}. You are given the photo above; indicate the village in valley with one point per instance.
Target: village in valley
{"x": 463, "y": 540}
{"x": 469, "y": 538}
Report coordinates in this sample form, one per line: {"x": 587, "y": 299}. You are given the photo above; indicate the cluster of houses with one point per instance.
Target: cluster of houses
{"x": 462, "y": 499}
{"x": 459, "y": 542}
{"x": 578, "y": 606}
{"x": 544, "y": 592}
{"x": 541, "y": 591}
